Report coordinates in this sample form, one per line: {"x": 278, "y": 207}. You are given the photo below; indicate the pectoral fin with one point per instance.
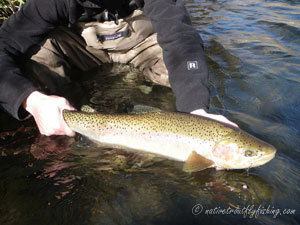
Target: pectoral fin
{"x": 196, "y": 162}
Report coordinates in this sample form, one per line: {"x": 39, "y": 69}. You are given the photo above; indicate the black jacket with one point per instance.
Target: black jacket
{"x": 182, "y": 49}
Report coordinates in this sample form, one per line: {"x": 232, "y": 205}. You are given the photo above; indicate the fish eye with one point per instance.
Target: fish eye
{"x": 249, "y": 153}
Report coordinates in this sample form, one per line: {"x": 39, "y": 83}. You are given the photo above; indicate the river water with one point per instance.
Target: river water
{"x": 253, "y": 53}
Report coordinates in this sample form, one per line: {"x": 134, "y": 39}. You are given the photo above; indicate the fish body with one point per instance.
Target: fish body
{"x": 199, "y": 141}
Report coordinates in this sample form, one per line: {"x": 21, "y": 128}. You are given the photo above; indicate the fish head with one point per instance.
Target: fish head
{"x": 241, "y": 150}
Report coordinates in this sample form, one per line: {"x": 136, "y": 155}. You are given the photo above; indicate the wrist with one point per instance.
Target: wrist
{"x": 199, "y": 112}
{"x": 32, "y": 100}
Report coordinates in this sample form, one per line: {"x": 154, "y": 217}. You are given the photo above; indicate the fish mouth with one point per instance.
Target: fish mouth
{"x": 265, "y": 159}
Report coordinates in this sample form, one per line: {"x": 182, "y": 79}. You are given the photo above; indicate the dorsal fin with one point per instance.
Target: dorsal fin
{"x": 137, "y": 109}
{"x": 86, "y": 108}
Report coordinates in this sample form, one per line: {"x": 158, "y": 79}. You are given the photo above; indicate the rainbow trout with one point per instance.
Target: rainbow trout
{"x": 199, "y": 141}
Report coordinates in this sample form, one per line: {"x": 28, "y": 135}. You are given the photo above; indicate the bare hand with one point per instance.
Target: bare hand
{"x": 47, "y": 113}
{"x": 223, "y": 119}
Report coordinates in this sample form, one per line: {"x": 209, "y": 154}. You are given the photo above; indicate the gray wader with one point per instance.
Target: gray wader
{"x": 131, "y": 41}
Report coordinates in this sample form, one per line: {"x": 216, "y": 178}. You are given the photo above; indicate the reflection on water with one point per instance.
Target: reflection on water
{"x": 253, "y": 53}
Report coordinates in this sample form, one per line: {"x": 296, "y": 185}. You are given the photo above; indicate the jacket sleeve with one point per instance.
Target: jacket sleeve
{"x": 22, "y": 31}
{"x": 182, "y": 51}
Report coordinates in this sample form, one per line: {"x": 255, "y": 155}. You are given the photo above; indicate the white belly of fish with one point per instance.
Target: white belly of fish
{"x": 173, "y": 146}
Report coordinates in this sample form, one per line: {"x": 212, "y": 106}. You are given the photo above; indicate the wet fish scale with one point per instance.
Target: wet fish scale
{"x": 174, "y": 135}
